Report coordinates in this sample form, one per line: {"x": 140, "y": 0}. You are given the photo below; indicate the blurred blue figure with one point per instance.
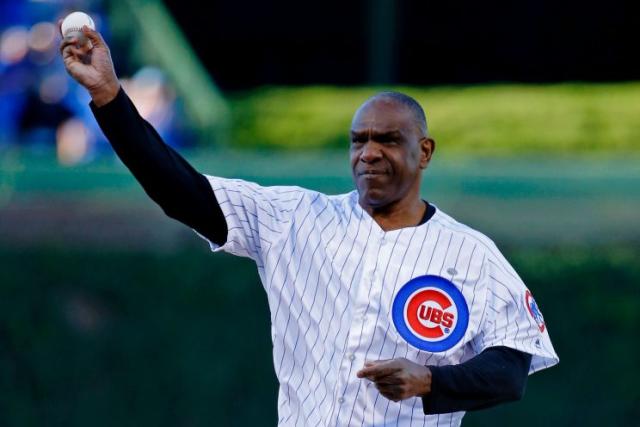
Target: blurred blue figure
{"x": 42, "y": 109}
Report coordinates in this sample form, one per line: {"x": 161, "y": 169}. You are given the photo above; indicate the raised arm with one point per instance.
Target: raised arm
{"x": 182, "y": 192}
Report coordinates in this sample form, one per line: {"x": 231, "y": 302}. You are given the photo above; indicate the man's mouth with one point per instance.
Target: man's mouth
{"x": 370, "y": 173}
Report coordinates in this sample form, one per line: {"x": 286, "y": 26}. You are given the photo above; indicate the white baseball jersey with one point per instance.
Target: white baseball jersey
{"x": 341, "y": 291}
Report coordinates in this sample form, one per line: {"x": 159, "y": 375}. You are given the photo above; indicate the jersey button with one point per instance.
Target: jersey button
{"x": 341, "y": 400}
{"x": 352, "y": 357}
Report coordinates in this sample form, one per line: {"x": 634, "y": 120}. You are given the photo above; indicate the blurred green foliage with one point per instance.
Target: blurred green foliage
{"x": 489, "y": 119}
{"x": 134, "y": 339}
{"x": 106, "y": 339}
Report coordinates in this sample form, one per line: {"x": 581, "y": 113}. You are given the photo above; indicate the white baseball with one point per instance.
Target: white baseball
{"x": 73, "y": 23}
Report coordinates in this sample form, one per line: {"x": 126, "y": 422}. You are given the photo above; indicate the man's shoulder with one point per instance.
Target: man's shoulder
{"x": 279, "y": 193}
{"x": 449, "y": 223}
{"x": 338, "y": 202}
{"x": 487, "y": 246}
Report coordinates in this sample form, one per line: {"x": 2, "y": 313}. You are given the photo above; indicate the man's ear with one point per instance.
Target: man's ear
{"x": 427, "y": 148}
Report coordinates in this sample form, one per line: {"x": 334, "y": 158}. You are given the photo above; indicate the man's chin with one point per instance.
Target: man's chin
{"x": 373, "y": 198}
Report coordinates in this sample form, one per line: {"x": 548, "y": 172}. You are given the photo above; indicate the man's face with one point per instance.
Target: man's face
{"x": 388, "y": 152}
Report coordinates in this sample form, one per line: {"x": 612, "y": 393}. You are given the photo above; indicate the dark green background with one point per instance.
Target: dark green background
{"x": 112, "y": 314}
{"x": 183, "y": 339}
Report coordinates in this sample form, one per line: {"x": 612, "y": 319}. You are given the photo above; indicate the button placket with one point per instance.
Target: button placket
{"x": 358, "y": 327}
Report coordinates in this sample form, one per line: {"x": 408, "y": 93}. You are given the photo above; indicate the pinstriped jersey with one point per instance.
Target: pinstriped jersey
{"x": 341, "y": 291}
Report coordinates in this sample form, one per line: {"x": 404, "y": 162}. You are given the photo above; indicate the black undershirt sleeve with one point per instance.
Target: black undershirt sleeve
{"x": 182, "y": 192}
{"x": 497, "y": 375}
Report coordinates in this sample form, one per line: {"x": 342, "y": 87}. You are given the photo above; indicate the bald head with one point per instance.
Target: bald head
{"x": 405, "y": 101}
{"x": 389, "y": 149}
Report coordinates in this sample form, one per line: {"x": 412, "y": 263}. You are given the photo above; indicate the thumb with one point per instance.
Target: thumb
{"x": 94, "y": 36}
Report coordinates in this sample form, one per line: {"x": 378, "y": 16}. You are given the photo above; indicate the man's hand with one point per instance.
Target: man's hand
{"x": 91, "y": 66}
{"x": 397, "y": 379}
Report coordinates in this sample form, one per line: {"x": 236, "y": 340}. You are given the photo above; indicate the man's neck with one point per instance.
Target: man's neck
{"x": 398, "y": 215}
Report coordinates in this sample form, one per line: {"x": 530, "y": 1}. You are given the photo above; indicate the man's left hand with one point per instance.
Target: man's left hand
{"x": 397, "y": 379}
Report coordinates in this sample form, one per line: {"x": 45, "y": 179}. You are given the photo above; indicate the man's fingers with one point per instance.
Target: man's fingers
{"x": 390, "y": 380}
{"x": 379, "y": 370}
{"x": 66, "y": 51}
{"x": 70, "y": 50}
{"x": 375, "y": 373}
{"x": 368, "y": 363}
{"x": 390, "y": 392}
{"x": 77, "y": 52}
{"x": 389, "y": 389}
{"x": 68, "y": 41}
{"x": 94, "y": 36}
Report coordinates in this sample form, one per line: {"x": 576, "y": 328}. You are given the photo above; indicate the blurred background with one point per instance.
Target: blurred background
{"x": 112, "y": 314}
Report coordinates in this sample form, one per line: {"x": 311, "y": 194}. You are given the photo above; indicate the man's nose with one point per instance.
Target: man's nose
{"x": 370, "y": 152}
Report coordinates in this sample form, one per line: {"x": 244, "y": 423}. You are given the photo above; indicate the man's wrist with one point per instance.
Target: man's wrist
{"x": 104, "y": 94}
{"x": 425, "y": 388}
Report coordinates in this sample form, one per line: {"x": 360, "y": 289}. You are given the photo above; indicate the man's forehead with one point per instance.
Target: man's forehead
{"x": 376, "y": 130}
{"x": 382, "y": 115}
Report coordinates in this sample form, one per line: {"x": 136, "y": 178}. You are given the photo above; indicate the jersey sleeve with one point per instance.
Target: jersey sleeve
{"x": 512, "y": 318}
{"x": 257, "y": 217}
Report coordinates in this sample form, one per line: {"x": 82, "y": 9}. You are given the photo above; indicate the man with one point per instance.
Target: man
{"x": 384, "y": 310}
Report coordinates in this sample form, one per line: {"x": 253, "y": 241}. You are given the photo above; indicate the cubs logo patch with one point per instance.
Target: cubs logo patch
{"x": 534, "y": 311}
{"x": 430, "y": 313}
